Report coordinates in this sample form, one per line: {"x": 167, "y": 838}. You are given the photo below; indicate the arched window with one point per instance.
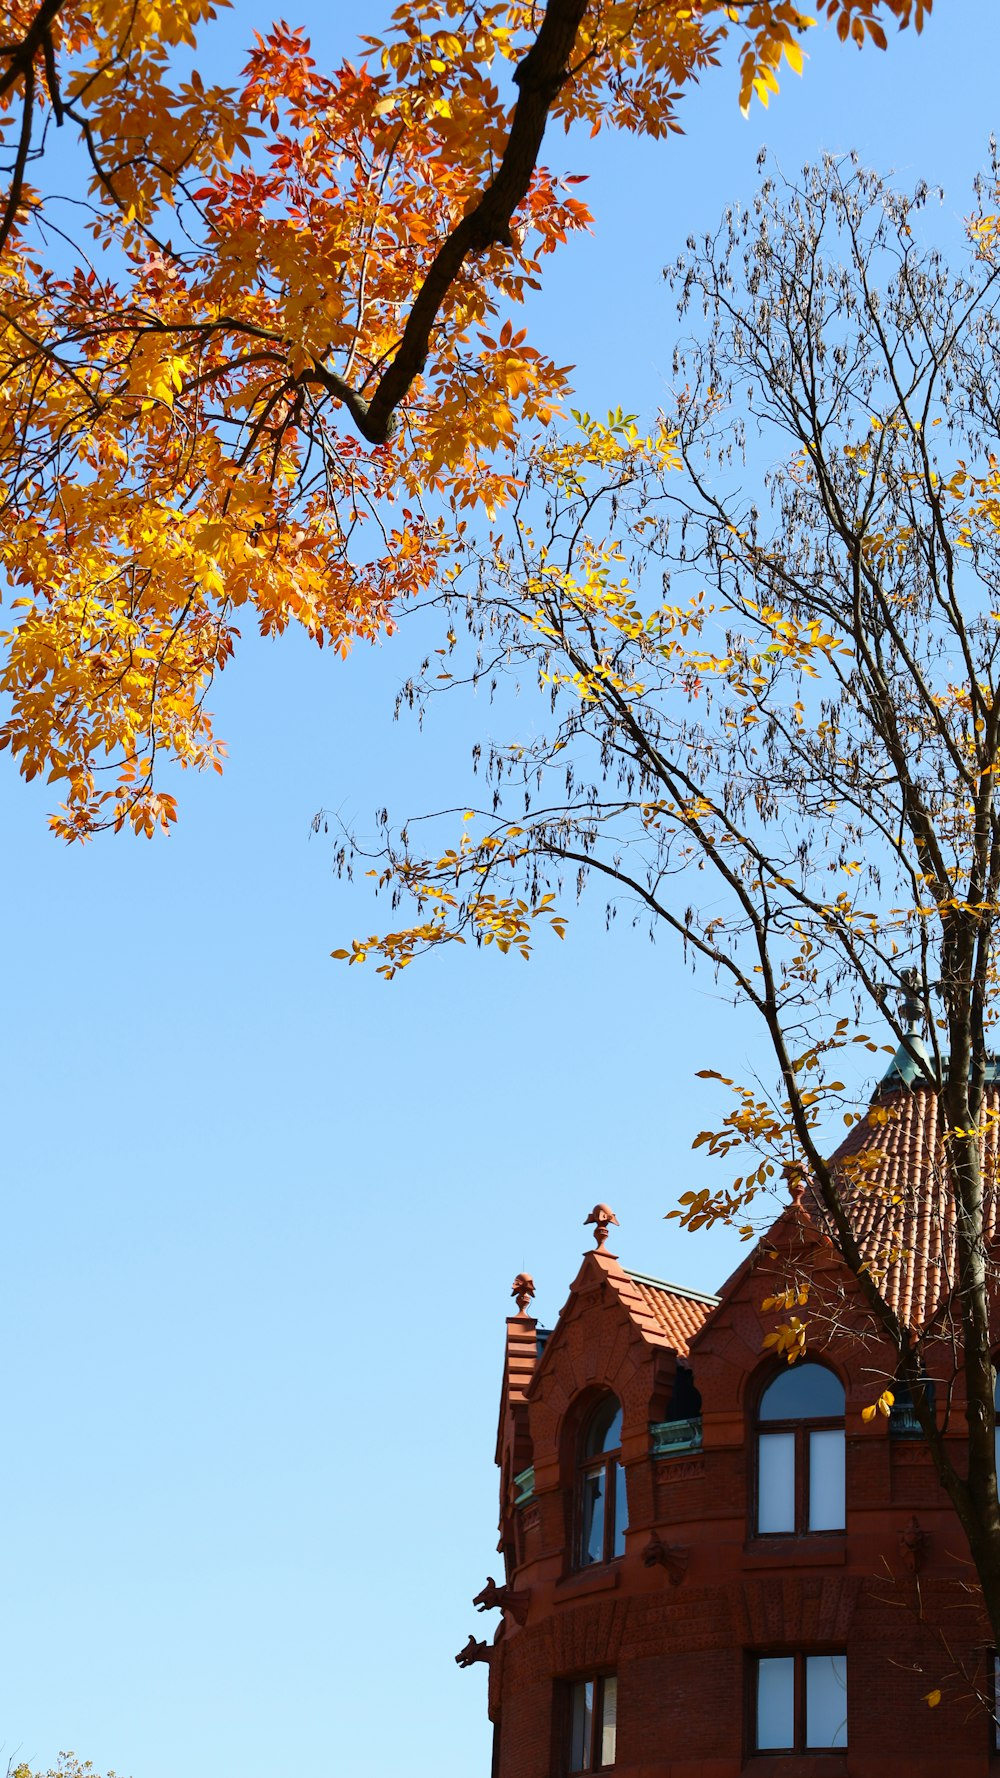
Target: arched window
{"x": 800, "y": 1452}
{"x": 602, "y": 1508}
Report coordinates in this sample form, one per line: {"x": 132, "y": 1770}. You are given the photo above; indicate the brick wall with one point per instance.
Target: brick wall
{"x": 681, "y": 1638}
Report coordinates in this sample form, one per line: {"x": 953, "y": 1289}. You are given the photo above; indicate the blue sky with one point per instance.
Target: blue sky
{"x": 262, "y": 1212}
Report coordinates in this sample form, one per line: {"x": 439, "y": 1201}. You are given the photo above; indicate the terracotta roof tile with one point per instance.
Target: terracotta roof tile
{"x": 672, "y": 1310}
{"x": 904, "y": 1205}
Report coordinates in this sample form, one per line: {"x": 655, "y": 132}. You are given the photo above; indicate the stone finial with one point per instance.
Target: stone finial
{"x": 602, "y": 1217}
{"x": 795, "y": 1182}
{"x": 910, "y": 1005}
{"x": 522, "y": 1290}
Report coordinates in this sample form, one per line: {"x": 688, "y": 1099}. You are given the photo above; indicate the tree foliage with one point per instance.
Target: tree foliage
{"x": 67, "y": 1766}
{"x": 775, "y": 726}
{"x": 274, "y": 365}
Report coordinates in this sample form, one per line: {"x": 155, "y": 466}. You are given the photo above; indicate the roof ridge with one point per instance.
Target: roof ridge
{"x": 697, "y": 1296}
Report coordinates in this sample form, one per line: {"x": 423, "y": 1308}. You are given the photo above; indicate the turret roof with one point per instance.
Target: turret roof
{"x": 905, "y": 1068}
{"x": 892, "y": 1172}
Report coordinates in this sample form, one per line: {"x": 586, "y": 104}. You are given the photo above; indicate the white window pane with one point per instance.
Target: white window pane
{"x": 826, "y": 1701}
{"x": 776, "y": 1702}
{"x": 621, "y": 1511}
{"x": 826, "y": 1481}
{"x": 581, "y": 1728}
{"x": 592, "y": 1529}
{"x": 776, "y": 1481}
{"x": 609, "y": 1722}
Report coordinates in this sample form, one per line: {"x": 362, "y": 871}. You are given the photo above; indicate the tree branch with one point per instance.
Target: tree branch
{"x": 539, "y": 78}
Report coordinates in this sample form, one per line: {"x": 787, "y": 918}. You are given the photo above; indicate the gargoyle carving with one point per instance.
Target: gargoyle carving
{"x": 674, "y": 1557}
{"x": 474, "y": 1651}
{"x": 913, "y": 1541}
{"x": 493, "y": 1598}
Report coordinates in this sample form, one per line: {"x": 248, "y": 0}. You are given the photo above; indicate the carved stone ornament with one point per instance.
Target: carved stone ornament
{"x": 679, "y": 1469}
{"x": 911, "y": 1454}
{"x": 913, "y": 1541}
{"x": 674, "y": 1557}
{"x": 602, "y": 1217}
{"x": 795, "y": 1182}
{"x": 522, "y": 1290}
{"x": 472, "y": 1652}
{"x": 503, "y": 1598}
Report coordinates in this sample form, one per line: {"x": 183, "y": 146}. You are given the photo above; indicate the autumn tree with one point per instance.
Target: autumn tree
{"x": 277, "y": 369}
{"x": 68, "y": 1765}
{"x": 774, "y": 729}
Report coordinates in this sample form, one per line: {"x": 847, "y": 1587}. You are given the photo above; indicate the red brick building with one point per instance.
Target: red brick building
{"x": 713, "y": 1565}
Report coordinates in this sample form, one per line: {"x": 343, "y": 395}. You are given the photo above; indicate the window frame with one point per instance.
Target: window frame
{"x": 609, "y": 1466}
{"x": 599, "y": 1680}
{"x": 801, "y": 1428}
{"x": 800, "y": 1747}
{"x": 996, "y": 1425}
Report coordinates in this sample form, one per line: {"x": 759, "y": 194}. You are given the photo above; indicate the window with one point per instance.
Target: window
{"x": 800, "y": 1452}
{"x": 903, "y": 1422}
{"x": 799, "y": 1703}
{"x": 997, "y": 1430}
{"x": 681, "y": 1430}
{"x": 685, "y": 1399}
{"x": 593, "y": 1724}
{"x": 603, "y": 1509}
